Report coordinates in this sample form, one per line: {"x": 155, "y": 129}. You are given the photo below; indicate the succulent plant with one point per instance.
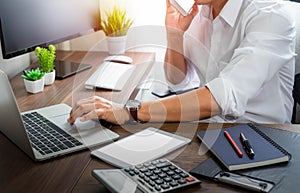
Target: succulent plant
{"x": 33, "y": 75}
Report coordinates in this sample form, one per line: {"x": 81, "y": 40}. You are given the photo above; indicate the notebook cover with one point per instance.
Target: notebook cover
{"x": 285, "y": 175}
{"x": 266, "y": 150}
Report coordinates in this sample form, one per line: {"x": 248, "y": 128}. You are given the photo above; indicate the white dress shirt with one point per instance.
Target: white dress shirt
{"x": 246, "y": 58}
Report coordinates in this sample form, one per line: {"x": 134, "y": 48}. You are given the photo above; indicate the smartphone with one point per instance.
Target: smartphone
{"x": 162, "y": 92}
{"x": 166, "y": 92}
{"x": 183, "y": 6}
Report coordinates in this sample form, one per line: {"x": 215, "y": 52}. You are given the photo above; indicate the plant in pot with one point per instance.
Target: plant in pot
{"x": 34, "y": 80}
{"x": 46, "y": 57}
{"x": 115, "y": 27}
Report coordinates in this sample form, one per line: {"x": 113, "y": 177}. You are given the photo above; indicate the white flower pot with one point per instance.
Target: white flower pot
{"x": 34, "y": 86}
{"x": 116, "y": 44}
{"x": 49, "y": 78}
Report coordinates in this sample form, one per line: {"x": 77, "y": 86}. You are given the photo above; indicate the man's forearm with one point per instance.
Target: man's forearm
{"x": 194, "y": 105}
{"x": 174, "y": 66}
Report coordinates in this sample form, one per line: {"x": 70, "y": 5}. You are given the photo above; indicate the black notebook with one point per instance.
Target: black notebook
{"x": 267, "y": 151}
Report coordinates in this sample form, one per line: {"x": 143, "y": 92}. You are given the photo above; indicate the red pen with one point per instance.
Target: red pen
{"x": 233, "y": 144}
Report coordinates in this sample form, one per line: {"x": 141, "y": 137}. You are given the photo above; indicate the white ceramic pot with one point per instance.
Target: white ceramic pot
{"x": 34, "y": 86}
{"x": 116, "y": 44}
{"x": 49, "y": 78}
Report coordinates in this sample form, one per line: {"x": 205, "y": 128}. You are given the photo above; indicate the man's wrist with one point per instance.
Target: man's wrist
{"x": 132, "y": 107}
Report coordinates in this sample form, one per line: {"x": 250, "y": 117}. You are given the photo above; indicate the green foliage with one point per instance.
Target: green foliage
{"x": 46, "y": 57}
{"x": 32, "y": 75}
{"x": 116, "y": 23}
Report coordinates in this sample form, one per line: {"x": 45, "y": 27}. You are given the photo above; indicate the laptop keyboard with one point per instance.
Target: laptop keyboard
{"x": 45, "y": 136}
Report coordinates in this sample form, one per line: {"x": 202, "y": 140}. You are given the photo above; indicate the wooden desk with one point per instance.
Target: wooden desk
{"x": 72, "y": 173}
{"x": 72, "y": 88}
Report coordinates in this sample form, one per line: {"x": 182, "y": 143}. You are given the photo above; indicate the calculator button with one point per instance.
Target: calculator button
{"x": 131, "y": 173}
{"x": 155, "y": 162}
{"x": 143, "y": 170}
{"x": 151, "y": 183}
{"x": 147, "y": 164}
{"x": 172, "y": 168}
{"x": 136, "y": 171}
{"x": 173, "y": 183}
{"x": 170, "y": 173}
{"x": 151, "y": 167}
{"x": 153, "y": 177}
{"x": 127, "y": 169}
{"x": 176, "y": 177}
{"x": 162, "y": 165}
{"x": 138, "y": 166}
{"x": 157, "y": 188}
{"x": 165, "y": 169}
{"x": 146, "y": 179}
{"x": 148, "y": 174}
{"x": 182, "y": 181}
{"x": 168, "y": 179}
{"x": 162, "y": 175}
{"x": 184, "y": 175}
{"x": 159, "y": 181}
{"x": 190, "y": 179}
{"x": 165, "y": 186}
{"x": 141, "y": 175}
{"x": 162, "y": 160}
{"x": 157, "y": 171}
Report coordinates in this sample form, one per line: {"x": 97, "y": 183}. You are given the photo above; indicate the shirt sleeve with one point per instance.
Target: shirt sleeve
{"x": 190, "y": 81}
{"x": 267, "y": 46}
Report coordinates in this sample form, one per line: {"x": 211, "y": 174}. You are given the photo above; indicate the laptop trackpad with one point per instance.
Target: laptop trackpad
{"x": 89, "y": 132}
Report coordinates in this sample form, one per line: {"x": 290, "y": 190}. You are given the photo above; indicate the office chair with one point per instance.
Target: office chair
{"x": 293, "y": 8}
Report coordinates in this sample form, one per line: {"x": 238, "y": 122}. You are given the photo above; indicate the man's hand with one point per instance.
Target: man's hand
{"x": 101, "y": 108}
{"x": 174, "y": 20}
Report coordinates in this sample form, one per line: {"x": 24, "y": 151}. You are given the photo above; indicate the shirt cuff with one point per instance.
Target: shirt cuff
{"x": 223, "y": 93}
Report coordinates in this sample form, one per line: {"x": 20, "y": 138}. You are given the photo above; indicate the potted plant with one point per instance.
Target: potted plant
{"x": 46, "y": 57}
{"x": 115, "y": 27}
{"x": 34, "y": 80}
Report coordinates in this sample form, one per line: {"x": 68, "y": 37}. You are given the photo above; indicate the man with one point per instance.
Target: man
{"x": 239, "y": 52}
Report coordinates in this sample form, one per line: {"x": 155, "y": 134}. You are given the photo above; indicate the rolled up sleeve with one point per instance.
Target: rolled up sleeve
{"x": 267, "y": 46}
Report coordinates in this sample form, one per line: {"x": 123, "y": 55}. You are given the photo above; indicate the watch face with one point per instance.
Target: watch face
{"x": 133, "y": 104}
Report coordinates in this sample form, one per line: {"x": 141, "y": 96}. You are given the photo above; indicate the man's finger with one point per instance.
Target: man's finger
{"x": 89, "y": 116}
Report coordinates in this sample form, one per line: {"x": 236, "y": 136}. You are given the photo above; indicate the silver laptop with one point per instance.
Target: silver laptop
{"x": 45, "y": 133}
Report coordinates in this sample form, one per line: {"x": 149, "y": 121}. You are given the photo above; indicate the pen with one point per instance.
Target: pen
{"x": 246, "y": 145}
{"x": 233, "y": 144}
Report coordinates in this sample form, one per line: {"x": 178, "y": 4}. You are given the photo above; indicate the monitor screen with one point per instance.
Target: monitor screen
{"x": 25, "y": 24}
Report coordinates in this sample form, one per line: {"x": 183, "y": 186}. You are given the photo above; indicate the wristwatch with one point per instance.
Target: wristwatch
{"x": 133, "y": 106}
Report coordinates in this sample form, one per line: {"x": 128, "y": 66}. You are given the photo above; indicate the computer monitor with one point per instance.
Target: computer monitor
{"x": 27, "y": 24}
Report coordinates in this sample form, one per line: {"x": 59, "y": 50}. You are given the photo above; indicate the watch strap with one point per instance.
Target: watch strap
{"x": 133, "y": 114}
